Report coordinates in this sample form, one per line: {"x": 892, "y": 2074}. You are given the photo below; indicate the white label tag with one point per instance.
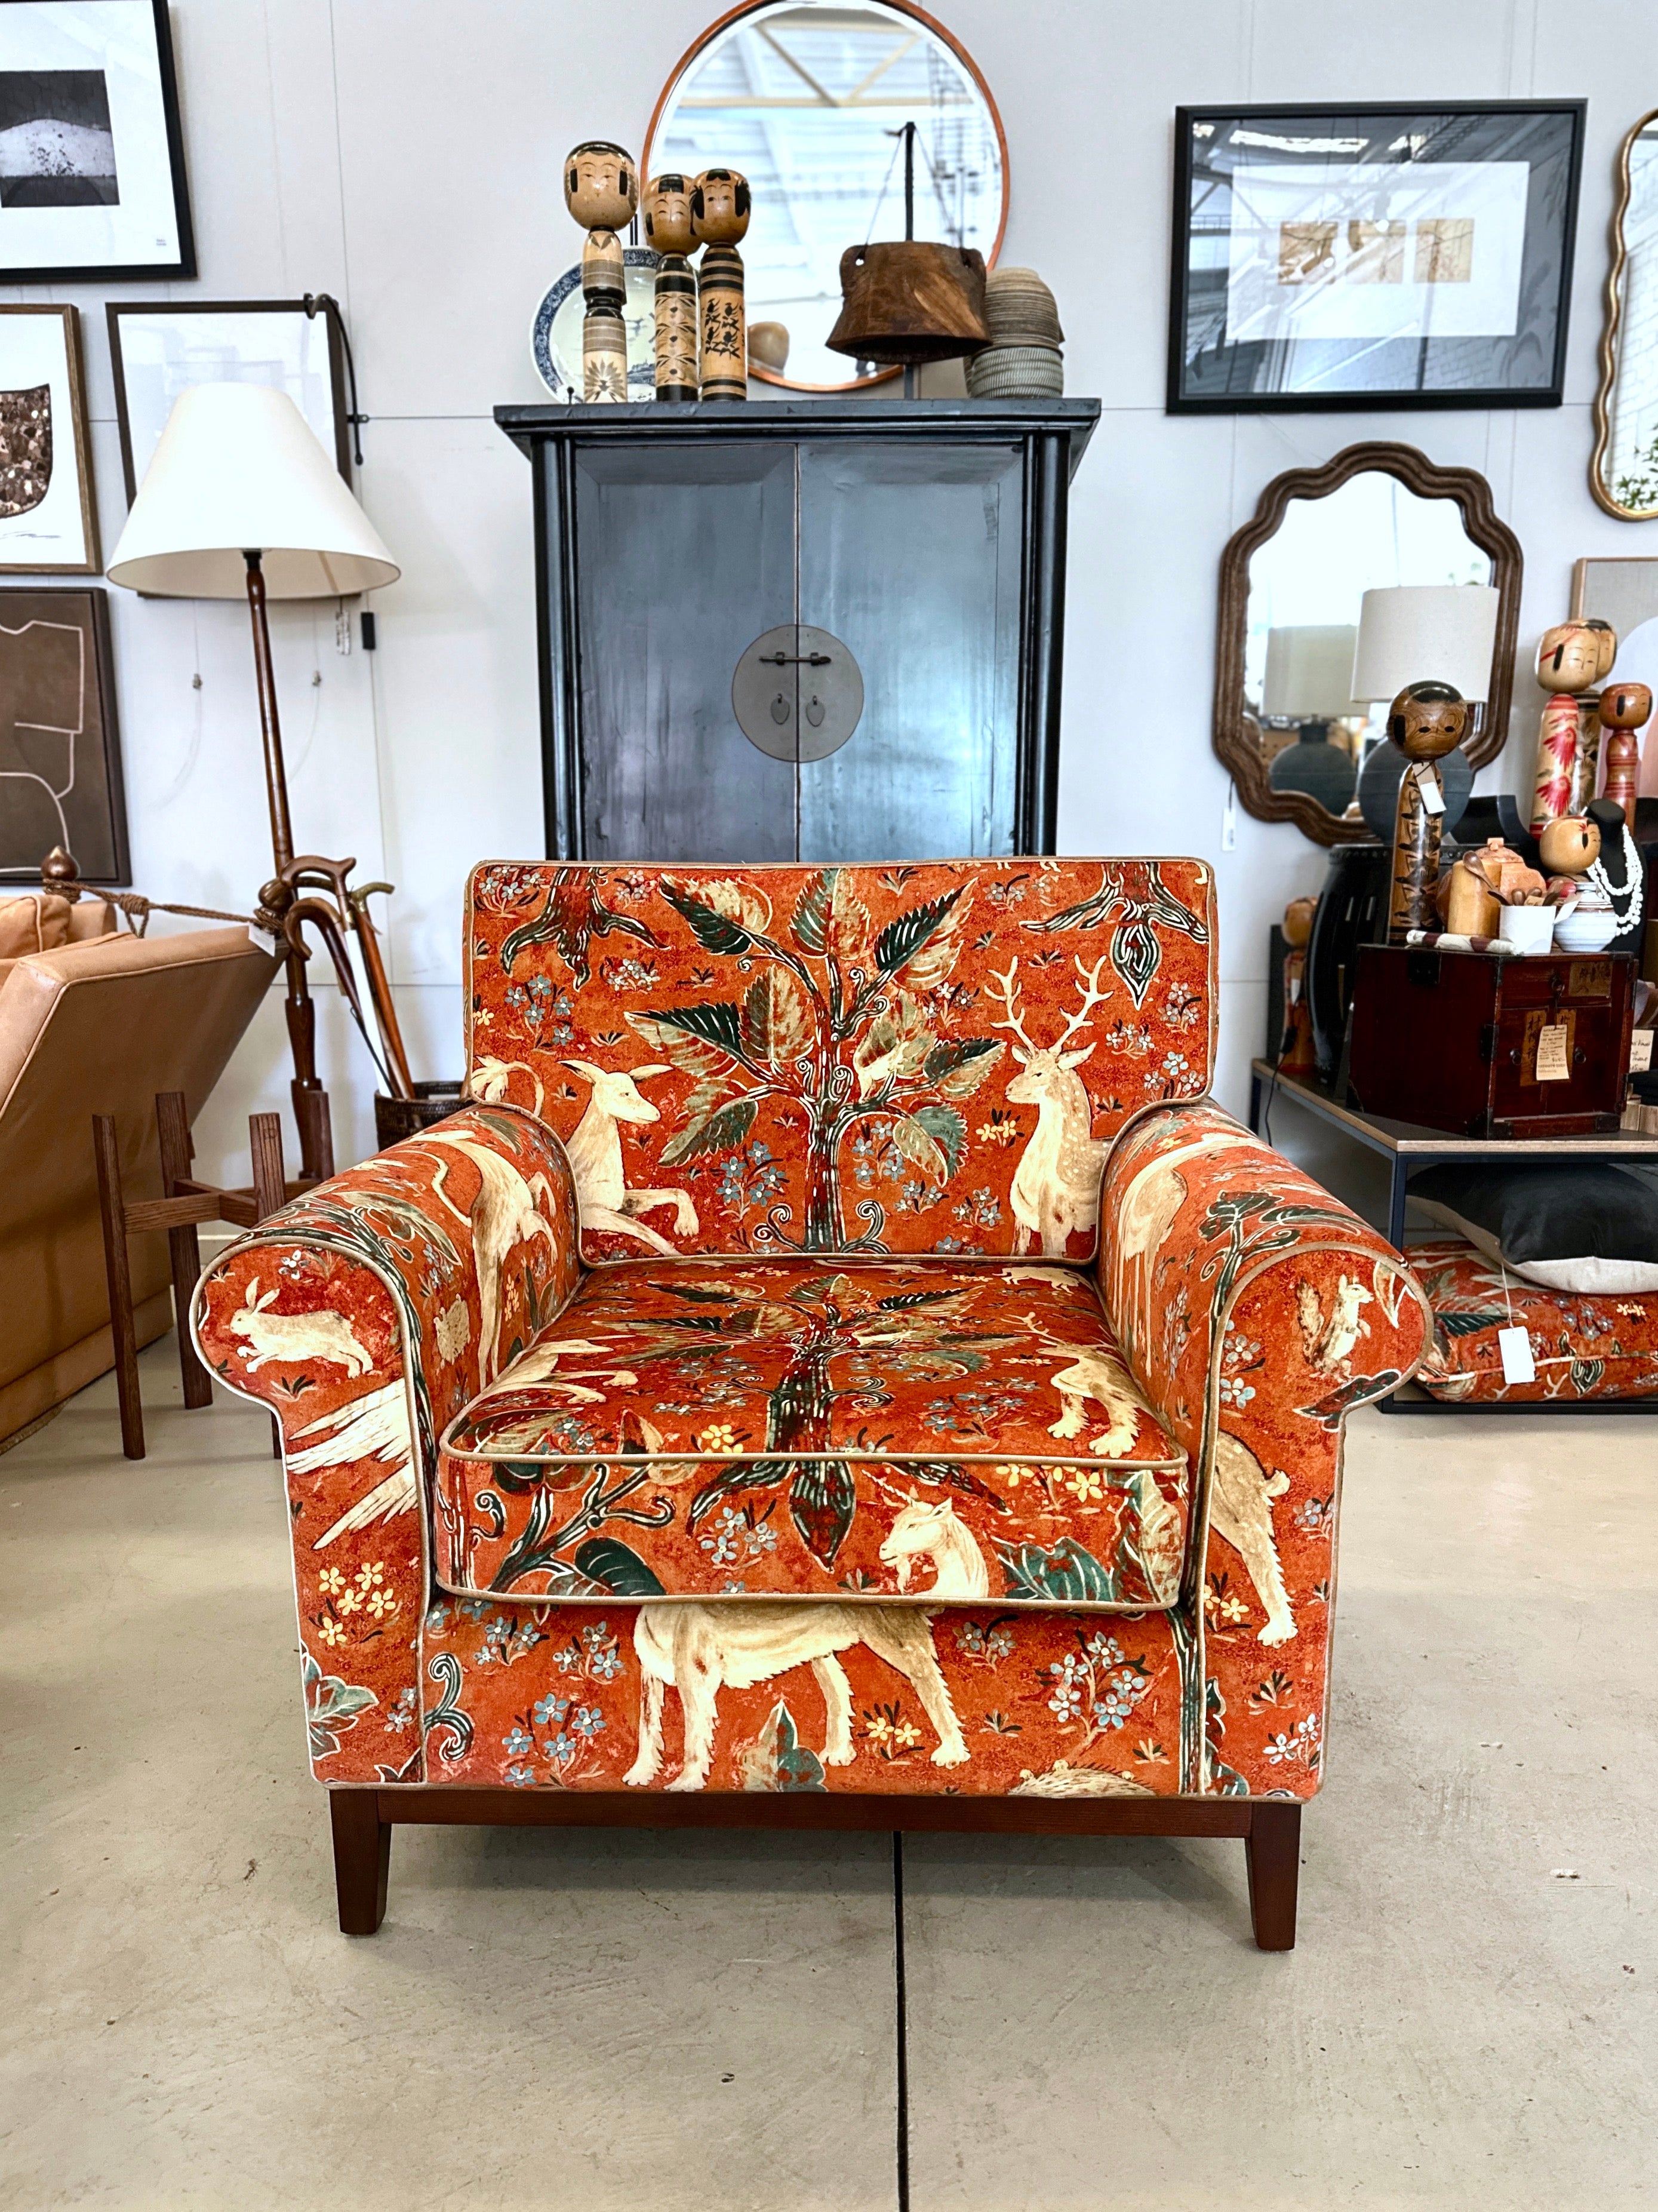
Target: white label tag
{"x": 1553, "y": 1060}
{"x": 1514, "y": 1348}
{"x": 1640, "y": 1051}
{"x": 1428, "y": 784}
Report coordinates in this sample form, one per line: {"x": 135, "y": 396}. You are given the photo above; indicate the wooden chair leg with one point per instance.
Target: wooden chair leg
{"x": 107, "y": 1151}
{"x": 1273, "y": 1850}
{"x": 183, "y": 1248}
{"x": 264, "y": 1144}
{"x": 363, "y": 1859}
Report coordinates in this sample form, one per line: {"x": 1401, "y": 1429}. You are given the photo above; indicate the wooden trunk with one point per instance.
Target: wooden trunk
{"x": 1454, "y": 1040}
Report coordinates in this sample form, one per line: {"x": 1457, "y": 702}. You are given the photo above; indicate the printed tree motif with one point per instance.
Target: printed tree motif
{"x": 835, "y": 1027}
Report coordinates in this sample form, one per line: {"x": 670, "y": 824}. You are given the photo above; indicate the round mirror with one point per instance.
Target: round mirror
{"x": 808, "y": 100}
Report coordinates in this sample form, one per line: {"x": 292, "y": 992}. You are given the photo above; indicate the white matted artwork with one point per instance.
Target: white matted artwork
{"x": 159, "y": 348}
{"x": 48, "y": 519}
{"x": 1375, "y": 250}
{"x": 92, "y": 174}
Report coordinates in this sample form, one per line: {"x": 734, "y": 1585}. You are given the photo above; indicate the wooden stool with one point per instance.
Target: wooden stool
{"x": 184, "y": 1204}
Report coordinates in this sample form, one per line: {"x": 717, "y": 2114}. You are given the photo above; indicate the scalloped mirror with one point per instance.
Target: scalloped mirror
{"x": 1623, "y": 471}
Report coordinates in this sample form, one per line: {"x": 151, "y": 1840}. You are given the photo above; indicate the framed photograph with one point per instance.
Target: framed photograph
{"x": 1372, "y": 256}
{"x": 92, "y": 161}
{"x": 60, "y": 752}
{"x": 48, "y": 519}
{"x": 159, "y": 348}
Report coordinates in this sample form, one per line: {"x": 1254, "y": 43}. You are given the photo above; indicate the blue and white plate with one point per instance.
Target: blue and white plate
{"x": 556, "y": 334}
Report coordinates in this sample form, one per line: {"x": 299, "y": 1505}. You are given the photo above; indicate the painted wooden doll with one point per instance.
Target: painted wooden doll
{"x": 1571, "y": 659}
{"x": 1426, "y": 722}
{"x": 601, "y": 190}
{"x": 1624, "y": 709}
{"x": 719, "y": 218}
{"x": 1297, "y": 1055}
{"x": 668, "y": 232}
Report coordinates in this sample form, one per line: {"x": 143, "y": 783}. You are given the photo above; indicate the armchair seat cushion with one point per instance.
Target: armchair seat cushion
{"x": 814, "y": 1429}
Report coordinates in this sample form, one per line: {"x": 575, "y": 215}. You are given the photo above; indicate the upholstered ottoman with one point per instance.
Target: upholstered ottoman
{"x": 1581, "y": 1348}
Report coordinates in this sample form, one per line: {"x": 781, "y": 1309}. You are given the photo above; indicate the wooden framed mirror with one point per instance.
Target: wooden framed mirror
{"x": 1292, "y": 587}
{"x": 1624, "y": 469}
{"x": 807, "y": 99}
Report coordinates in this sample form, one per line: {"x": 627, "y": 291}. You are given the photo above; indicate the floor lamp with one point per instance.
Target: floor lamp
{"x": 241, "y": 498}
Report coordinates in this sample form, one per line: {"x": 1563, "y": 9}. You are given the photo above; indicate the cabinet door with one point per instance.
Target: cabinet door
{"x": 683, "y": 555}
{"x": 910, "y": 555}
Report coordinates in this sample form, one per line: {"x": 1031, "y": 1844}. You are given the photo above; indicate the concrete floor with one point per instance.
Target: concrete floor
{"x": 616, "y": 2021}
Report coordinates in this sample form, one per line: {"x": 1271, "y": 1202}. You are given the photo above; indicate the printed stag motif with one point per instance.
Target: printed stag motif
{"x": 1057, "y": 1187}
{"x": 595, "y": 1155}
{"x": 836, "y": 1027}
{"x": 698, "y": 1649}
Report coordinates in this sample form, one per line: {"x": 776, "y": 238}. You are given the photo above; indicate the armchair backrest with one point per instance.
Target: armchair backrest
{"x": 914, "y": 1059}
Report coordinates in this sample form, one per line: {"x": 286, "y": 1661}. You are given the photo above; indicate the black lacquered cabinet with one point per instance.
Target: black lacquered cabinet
{"x": 897, "y": 565}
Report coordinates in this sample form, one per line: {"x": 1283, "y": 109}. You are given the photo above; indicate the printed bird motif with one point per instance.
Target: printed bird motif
{"x": 574, "y": 915}
{"x": 375, "y": 1427}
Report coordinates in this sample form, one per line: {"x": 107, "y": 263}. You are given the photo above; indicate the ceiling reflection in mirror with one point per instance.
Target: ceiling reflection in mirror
{"x": 1307, "y": 586}
{"x": 809, "y": 103}
{"x": 1624, "y": 474}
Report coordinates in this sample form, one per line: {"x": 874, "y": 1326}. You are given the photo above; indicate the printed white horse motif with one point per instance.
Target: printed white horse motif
{"x": 1098, "y": 1376}
{"x": 924, "y": 1531}
{"x": 504, "y": 1215}
{"x": 698, "y": 1649}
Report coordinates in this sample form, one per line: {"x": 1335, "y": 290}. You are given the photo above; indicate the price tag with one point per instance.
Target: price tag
{"x": 1429, "y": 786}
{"x": 1640, "y": 1051}
{"x": 1554, "y": 1052}
{"x": 1513, "y": 1349}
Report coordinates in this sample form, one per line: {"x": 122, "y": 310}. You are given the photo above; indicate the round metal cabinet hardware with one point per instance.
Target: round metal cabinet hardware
{"x": 797, "y": 693}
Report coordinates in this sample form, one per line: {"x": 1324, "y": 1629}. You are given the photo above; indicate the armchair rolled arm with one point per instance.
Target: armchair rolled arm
{"x": 1257, "y": 1312}
{"x": 365, "y": 1315}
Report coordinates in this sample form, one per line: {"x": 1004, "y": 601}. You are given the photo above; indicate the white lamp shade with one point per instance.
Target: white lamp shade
{"x": 1309, "y": 671}
{"x": 240, "y": 469}
{"x": 1426, "y": 632}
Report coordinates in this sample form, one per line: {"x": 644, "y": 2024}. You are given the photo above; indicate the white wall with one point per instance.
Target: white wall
{"x": 404, "y": 155}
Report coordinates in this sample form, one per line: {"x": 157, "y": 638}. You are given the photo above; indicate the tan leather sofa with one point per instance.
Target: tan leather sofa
{"x": 97, "y": 1027}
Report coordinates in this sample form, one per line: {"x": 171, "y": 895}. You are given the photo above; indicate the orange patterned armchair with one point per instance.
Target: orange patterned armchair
{"x": 841, "y": 1369}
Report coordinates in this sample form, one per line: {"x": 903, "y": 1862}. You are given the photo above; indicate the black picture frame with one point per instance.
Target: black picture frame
{"x": 1524, "y": 369}
{"x": 314, "y": 308}
{"x": 84, "y": 272}
{"x": 89, "y": 815}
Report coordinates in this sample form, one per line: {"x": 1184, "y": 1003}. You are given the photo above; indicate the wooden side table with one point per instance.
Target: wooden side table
{"x": 1407, "y": 1146}
{"x": 182, "y": 1206}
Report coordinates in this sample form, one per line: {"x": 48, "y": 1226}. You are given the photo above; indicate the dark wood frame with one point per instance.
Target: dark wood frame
{"x": 362, "y": 1820}
{"x": 183, "y": 1205}
{"x": 312, "y": 309}
{"x": 946, "y": 38}
{"x": 1051, "y": 435}
{"x": 104, "y": 661}
{"x": 93, "y": 564}
{"x": 1350, "y": 401}
{"x": 1236, "y": 732}
{"x": 129, "y": 271}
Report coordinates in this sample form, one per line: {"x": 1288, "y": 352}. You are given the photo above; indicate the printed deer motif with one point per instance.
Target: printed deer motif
{"x": 326, "y": 1337}
{"x": 1056, "y": 1185}
{"x": 594, "y": 1149}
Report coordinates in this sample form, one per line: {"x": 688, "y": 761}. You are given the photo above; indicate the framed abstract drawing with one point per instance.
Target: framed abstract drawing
{"x": 1364, "y": 257}
{"x": 60, "y": 751}
{"x": 92, "y": 161}
{"x": 48, "y": 518}
{"x": 159, "y": 348}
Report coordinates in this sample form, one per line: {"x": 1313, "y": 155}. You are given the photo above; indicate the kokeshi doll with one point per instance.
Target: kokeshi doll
{"x": 1426, "y": 722}
{"x": 1571, "y": 659}
{"x": 1297, "y": 1055}
{"x": 719, "y": 218}
{"x": 601, "y": 190}
{"x": 1624, "y": 709}
{"x": 668, "y": 232}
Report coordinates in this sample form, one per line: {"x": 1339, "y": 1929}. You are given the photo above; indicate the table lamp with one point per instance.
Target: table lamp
{"x": 241, "y": 498}
{"x": 1309, "y": 679}
{"x": 1426, "y": 634}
